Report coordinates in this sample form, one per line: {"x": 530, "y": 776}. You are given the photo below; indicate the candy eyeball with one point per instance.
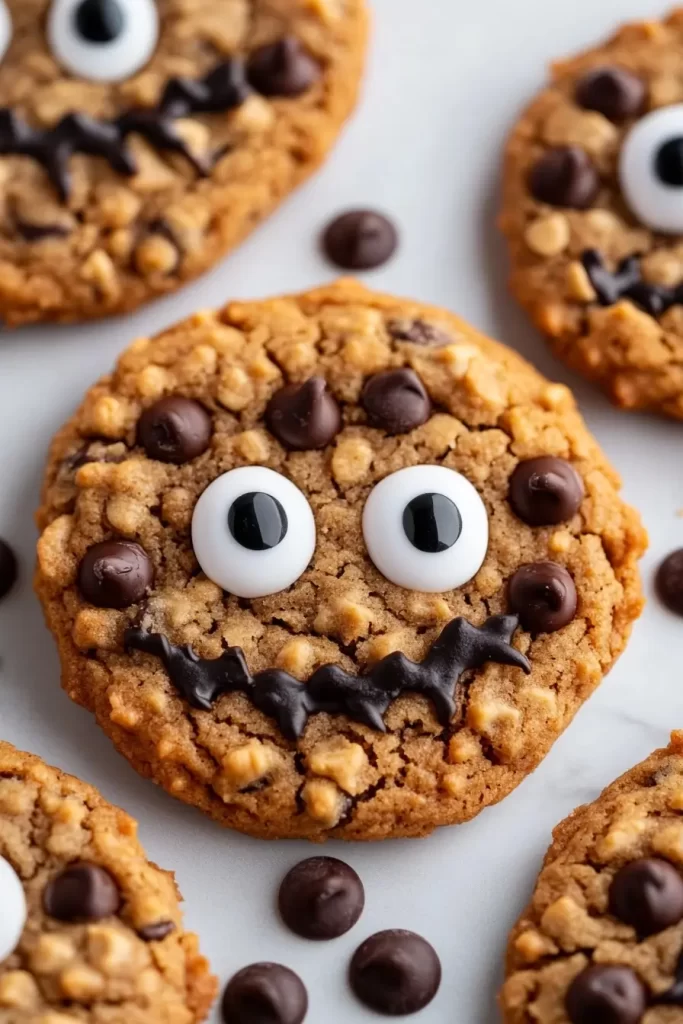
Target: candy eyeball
{"x": 651, "y": 170}
{"x": 5, "y": 28}
{"x": 426, "y": 529}
{"x": 12, "y": 909}
{"x": 103, "y": 40}
{"x": 253, "y": 532}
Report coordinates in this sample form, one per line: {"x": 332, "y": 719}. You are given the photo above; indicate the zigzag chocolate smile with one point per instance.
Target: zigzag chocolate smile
{"x": 626, "y": 282}
{"x": 364, "y": 698}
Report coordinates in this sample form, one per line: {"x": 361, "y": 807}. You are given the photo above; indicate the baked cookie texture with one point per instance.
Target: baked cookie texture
{"x": 103, "y": 937}
{"x": 610, "y": 895}
{"x": 427, "y": 737}
{"x": 114, "y": 192}
{"x": 588, "y": 209}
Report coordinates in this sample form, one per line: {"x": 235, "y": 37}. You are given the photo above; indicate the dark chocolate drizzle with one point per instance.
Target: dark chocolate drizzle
{"x": 222, "y": 89}
{"x": 364, "y": 698}
{"x": 626, "y": 282}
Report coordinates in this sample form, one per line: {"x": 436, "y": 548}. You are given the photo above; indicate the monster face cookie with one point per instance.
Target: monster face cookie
{"x": 333, "y": 564}
{"x": 140, "y": 140}
{"x": 90, "y": 931}
{"x": 602, "y": 941}
{"x": 593, "y": 201}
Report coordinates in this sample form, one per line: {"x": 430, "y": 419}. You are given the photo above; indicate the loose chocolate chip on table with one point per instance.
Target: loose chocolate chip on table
{"x": 175, "y": 430}
{"x": 115, "y": 574}
{"x": 614, "y": 92}
{"x": 265, "y": 994}
{"x": 8, "y": 568}
{"x": 544, "y": 596}
{"x": 304, "y": 416}
{"x": 669, "y": 581}
{"x": 396, "y": 401}
{"x": 395, "y": 972}
{"x": 283, "y": 68}
{"x": 565, "y": 176}
{"x": 648, "y": 895}
{"x": 321, "y": 898}
{"x": 83, "y": 892}
{"x": 606, "y": 995}
{"x": 545, "y": 491}
{"x": 360, "y": 240}
{"x": 156, "y": 932}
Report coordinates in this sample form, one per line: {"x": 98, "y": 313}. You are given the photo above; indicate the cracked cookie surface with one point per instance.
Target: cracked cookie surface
{"x": 589, "y": 212}
{"x": 350, "y": 702}
{"x": 97, "y": 931}
{"x": 117, "y": 191}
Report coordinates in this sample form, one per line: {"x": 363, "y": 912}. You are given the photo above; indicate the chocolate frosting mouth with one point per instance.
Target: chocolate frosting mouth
{"x": 221, "y": 90}
{"x": 626, "y": 282}
{"x": 363, "y": 698}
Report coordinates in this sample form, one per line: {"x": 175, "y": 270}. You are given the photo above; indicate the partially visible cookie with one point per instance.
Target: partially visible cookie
{"x": 593, "y": 193}
{"x": 602, "y": 939}
{"x": 90, "y": 931}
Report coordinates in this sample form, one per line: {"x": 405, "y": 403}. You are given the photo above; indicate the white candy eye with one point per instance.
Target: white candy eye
{"x": 5, "y": 28}
{"x": 253, "y": 532}
{"x": 651, "y": 170}
{"x": 103, "y": 40}
{"x": 426, "y": 529}
{"x": 12, "y": 909}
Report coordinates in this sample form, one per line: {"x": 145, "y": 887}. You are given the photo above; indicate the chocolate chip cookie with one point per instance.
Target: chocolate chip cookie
{"x": 89, "y": 929}
{"x": 592, "y": 206}
{"x": 143, "y": 139}
{"x": 602, "y": 939}
{"x": 333, "y": 564}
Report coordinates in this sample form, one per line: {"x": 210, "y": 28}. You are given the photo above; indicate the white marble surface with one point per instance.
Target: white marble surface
{"x": 446, "y": 79}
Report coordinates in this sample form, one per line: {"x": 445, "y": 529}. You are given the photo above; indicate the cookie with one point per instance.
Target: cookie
{"x": 143, "y": 139}
{"x": 592, "y": 187}
{"x": 89, "y": 929}
{"x": 333, "y": 564}
{"x": 602, "y": 939}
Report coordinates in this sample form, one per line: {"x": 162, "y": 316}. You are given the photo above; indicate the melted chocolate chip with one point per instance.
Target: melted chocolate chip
{"x": 418, "y": 332}
{"x": 606, "y": 995}
{"x": 614, "y": 92}
{"x": 565, "y": 176}
{"x": 360, "y": 240}
{"x": 321, "y": 898}
{"x": 396, "y": 401}
{"x": 363, "y": 698}
{"x": 395, "y": 972}
{"x": 648, "y": 895}
{"x": 8, "y": 568}
{"x": 265, "y": 994}
{"x": 83, "y": 892}
{"x": 39, "y": 232}
{"x": 544, "y": 596}
{"x": 670, "y": 582}
{"x": 304, "y": 416}
{"x": 626, "y": 283}
{"x": 545, "y": 491}
{"x": 283, "y": 68}
{"x": 156, "y": 932}
{"x": 175, "y": 429}
{"x": 115, "y": 574}
{"x": 674, "y": 995}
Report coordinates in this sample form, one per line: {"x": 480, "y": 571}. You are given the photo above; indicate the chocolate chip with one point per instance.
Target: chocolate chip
{"x": 321, "y": 898}
{"x": 648, "y": 895}
{"x": 395, "y": 972}
{"x": 156, "y": 932}
{"x": 115, "y": 574}
{"x": 565, "y": 176}
{"x": 38, "y": 232}
{"x": 669, "y": 581}
{"x": 304, "y": 416}
{"x": 175, "y": 429}
{"x": 360, "y": 240}
{"x": 544, "y": 596}
{"x": 545, "y": 491}
{"x": 8, "y": 568}
{"x": 83, "y": 892}
{"x": 396, "y": 401}
{"x": 606, "y": 995}
{"x": 265, "y": 994}
{"x": 283, "y": 68}
{"x": 418, "y": 332}
{"x": 614, "y": 92}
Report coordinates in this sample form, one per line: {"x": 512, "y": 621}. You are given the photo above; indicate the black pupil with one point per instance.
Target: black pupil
{"x": 99, "y": 21}
{"x": 257, "y": 521}
{"x": 669, "y": 162}
{"x": 432, "y": 523}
